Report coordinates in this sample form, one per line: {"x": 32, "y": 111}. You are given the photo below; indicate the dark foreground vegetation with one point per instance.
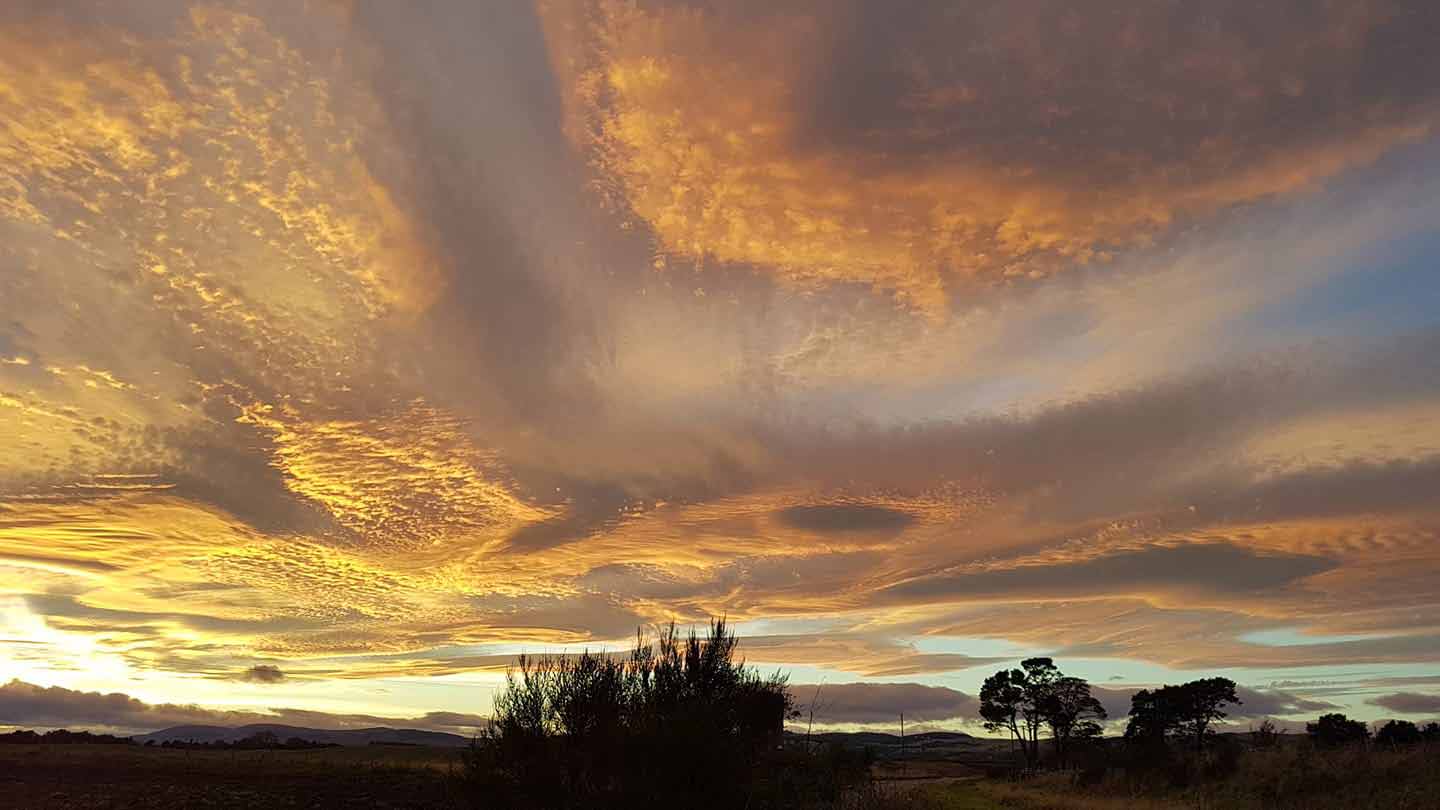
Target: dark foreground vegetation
{"x": 682, "y": 723}
{"x": 61, "y": 736}
{"x": 138, "y": 777}
{"x": 1293, "y": 775}
{"x": 1290, "y": 776}
{"x": 260, "y": 741}
{"x": 1171, "y": 755}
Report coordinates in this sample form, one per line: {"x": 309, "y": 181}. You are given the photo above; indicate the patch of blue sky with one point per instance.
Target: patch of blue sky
{"x": 1297, "y": 637}
{"x": 1391, "y": 292}
{"x": 976, "y": 646}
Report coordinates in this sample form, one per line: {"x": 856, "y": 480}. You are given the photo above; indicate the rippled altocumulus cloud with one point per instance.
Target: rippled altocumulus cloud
{"x": 365, "y": 340}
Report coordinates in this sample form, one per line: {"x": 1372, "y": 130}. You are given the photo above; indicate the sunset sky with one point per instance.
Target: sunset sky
{"x": 350, "y": 349}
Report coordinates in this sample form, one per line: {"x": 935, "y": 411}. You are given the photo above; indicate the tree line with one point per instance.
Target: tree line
{"x": 61, "y": 736}
{"x": 1037, "y": 696}
{"x": 259, "y": 741}
{"x": 1336, "y": 730}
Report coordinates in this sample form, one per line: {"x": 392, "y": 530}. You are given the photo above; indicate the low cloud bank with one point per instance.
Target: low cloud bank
{"x": 27, "y": 705}
{"x": 1408, "y": 703}
{"x": 874, "y": 703}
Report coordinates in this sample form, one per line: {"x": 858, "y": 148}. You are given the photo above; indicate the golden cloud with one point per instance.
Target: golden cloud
{"x": 409, "y": 478}
{"x": 918, "y": 150}
{"x": 228, "y": 265}
{"x": 197, "y": 198}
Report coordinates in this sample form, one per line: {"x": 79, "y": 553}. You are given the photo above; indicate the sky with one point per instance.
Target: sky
{"x": 350, "y": 349}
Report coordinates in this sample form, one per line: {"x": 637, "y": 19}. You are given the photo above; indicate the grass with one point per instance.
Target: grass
{"x": 61, "y": 777}
{"x": 964, "y": 795}
{"x": 114, "y": 776}
{"x": 1290, "y": 778}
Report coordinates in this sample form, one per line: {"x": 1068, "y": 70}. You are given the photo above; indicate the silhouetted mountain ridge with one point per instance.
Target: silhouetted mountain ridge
{"x": 349, "y": 736}
{"x": 947, "y": 745}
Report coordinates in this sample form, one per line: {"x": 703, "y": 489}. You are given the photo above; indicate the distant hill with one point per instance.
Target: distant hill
{"x": 942, "y": 745}
{"x": 354, "y": 736}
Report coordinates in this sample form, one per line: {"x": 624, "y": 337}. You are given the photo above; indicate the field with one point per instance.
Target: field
{"x": 122, "y": 776}
{"x": 41, "y": 777}
{"x": 1294, "y": 777}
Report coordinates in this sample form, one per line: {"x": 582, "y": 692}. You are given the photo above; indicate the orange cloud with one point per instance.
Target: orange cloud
{"x": 411, "y": 478}
{"x": 920, "y": 150}
{"x": 298, "y": 364}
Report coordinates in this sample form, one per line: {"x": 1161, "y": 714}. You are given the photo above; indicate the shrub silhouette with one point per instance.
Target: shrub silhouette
{"x": 1398, "y": 733}
{"x": 1266, "y": 735}
{"x": 1334, "y": 730}
{"x": 260, "y": 740}
{"x": 677, "y": 721}
{"x": 1187, "y": 710}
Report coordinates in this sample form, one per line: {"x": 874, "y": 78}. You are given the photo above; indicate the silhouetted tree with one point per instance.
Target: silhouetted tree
{"x": 1398, "y": 733}
{"x": 1072, "y": 713}
{"x": 1152, "y": 715}
{"x": 1200, "y": 706}
{"x": 1333, "y": 730}
{"x": 1024, "y": 700}
{"x": 1186, "y": 710}
{"x": 1001, "y": 696}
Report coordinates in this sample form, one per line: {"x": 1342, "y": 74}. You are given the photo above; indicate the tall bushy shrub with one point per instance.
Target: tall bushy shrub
{"x": 1335, "y": 730}
{"x": 681, "y": 720}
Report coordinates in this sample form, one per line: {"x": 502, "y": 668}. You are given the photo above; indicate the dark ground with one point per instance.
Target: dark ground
{"x": 949, "y": 774}
{"x": 42, "y": 777}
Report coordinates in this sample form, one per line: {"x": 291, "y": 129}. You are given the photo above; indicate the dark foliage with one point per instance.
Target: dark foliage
{"x": 1334, "y": 730}
{"x": 680, "y": 722}
{"x": 1036, "y": 695}
{"x": 1223, "y": 760}
{"x": 1187, "y": 711}
{"x": 259, "y": 741}
{"x": 62, "y": 737}
{"x": 1265, "y": 735}
{"x": 1398, "y": 733}
{"x": 804, "y": 776}
{"x": 1002, "y": 702}
{"x": 1072, "y": 714}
